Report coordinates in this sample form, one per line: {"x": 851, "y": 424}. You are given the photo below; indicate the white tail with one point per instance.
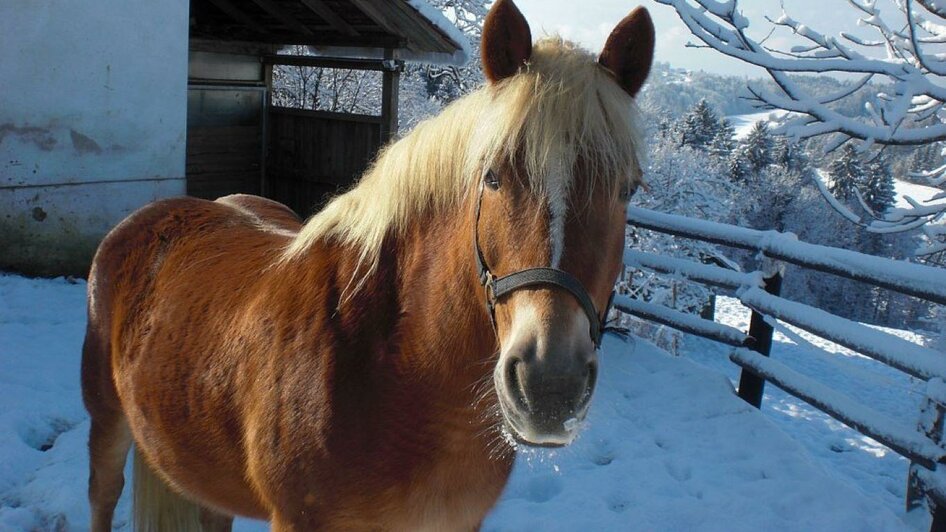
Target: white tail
{"x": 156, "y": 507}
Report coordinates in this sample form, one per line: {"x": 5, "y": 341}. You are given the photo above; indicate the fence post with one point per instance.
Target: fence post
{"x": 931, "y": 424}
{"x": 751, "y": 385}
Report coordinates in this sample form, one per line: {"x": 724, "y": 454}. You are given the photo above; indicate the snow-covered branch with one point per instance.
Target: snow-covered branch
{"x": 911, "y": 71}
{"x": 902, "y": 68}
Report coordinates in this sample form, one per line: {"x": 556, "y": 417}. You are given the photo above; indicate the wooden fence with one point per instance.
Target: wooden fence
{"x": 921, "y": 442}
{"x": 314, "y": 155}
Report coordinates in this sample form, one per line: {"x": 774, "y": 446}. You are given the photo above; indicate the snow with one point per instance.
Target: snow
{"x": 689, "y": 269}
{"x": 437, "y": 18}
{"x": 920, "y": 193}
{"x": 907, "y": 277}
{"x": 847, "y": 453}
{"x": 742, "y": 124}
{"x": 667, "y": 445}
{"x": 916, "y": 360}
{"x": 691, "y": 323}
{"x": 902, "y": 436}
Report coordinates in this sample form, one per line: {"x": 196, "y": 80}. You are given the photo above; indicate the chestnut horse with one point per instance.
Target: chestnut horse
{"x": 352, "y": 372}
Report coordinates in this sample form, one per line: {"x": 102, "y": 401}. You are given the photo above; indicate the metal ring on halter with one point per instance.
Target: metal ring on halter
{"x": 497, "y": 287}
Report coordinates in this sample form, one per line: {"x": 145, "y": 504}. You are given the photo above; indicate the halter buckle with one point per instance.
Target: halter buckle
{"x": 488, "y": 281}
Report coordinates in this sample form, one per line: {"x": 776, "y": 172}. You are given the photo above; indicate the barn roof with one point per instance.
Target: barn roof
{"x": 412, "y": 27}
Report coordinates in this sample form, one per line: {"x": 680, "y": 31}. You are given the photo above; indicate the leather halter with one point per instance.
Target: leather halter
{"x": 497, "y": 287}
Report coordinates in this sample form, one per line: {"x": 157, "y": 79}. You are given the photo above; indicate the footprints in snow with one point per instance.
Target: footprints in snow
{"x": 43, "y": 434}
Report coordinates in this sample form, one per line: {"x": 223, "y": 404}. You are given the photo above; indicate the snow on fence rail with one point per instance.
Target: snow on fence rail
{"x": 922, "y": 444}
{"x": 902, "y": 438}
{"x": 913, "y": 279}
{"x": 690, "y": 323}
{"x": 910, "y": 358}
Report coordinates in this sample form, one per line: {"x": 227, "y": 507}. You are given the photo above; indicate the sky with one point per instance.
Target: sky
{"x": 591, "y": 21}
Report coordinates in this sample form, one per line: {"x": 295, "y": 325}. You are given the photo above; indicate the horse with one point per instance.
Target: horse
{"x": 375, "y": 367}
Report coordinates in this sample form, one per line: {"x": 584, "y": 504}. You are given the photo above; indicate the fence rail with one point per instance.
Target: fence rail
{"x": 922, "y": 444}
{"x": 916, "y": 280}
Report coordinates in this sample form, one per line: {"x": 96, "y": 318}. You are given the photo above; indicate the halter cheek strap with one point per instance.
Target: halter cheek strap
{"x": 498, "y": 287}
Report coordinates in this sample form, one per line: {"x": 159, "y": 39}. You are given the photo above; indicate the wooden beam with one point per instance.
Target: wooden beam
{"x": 384, "y": 14}
{"x": 390, "y": 81}
{"x": 328, "y": 115}
{"x": 237, "y": 14}
{"x": 399, "y": 19}
{"x": 283, "y": 16}
{"x": 379, "y": 65}
{"x": 319, "y": 8}
{"x": 208, "y": 34}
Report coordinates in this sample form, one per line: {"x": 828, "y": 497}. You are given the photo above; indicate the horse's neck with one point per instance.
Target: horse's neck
{"x": 441, "y": 299}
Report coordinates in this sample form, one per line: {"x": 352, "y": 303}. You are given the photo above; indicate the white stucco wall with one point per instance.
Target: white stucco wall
{"x": 93, "y": 105}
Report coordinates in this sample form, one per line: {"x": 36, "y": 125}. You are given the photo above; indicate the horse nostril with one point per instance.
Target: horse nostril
{"x": 591, "y": 371}
{"x": 514, "y": 383}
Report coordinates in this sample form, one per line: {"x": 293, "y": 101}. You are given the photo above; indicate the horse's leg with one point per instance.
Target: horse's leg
{"x": 109, "y": 442}
{"x": 212, "y": 521}
{"x": 109, "y": 435}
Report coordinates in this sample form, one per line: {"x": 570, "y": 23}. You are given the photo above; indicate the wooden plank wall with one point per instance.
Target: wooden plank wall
{"x": 223, "y": 160}
{"x": 314, "y": 155}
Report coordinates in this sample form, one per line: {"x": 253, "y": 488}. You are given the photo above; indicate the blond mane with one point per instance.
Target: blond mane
{"x": 561, "y": 108}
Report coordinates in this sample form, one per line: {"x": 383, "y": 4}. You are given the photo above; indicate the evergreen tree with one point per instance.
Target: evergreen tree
{"x": 847, "y": 174}
{"x": 924, "y": 158}
{"x": 665, "y": 127}
{"x": 758, "y": 147}
{"x": 789, "y": 155}
{"x": 738, "y": 165}
{"x": 878, "y": 188}
{"x": 699, "y": 126}
{"x": 722, "y": 143}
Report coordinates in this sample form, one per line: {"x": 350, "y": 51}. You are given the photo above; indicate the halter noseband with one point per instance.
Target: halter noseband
{"x": 497, "y": 287}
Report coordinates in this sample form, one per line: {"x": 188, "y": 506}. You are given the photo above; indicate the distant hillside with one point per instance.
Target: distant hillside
{"x": 673, "y": 91}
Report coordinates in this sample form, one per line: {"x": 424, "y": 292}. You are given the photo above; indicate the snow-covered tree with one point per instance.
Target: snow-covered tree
{"x": 722, "y": 143}
{"x": 758, "y": 147}
{"x": 327, "y": 89}
{"x": 789, "y": 155}
{"x": 687, "y": 181}
{"x": 446, "y": 83}
{"x": 737, "y": 165}
{"x": 878, "y": 190}
{"x": 901, "y": 69}
{"x": 700, "y": 126}
{"x": 847, "y": 174}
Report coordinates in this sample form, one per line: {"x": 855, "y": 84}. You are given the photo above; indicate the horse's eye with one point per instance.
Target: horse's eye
{"x": 491, "y": 179}
{"x": 627, "y": 191}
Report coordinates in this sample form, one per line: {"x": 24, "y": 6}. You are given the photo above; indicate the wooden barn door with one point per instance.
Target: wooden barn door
{"x": 314, "y": 155}
{"x": 226, "y": 120}
{"x": 224, "y": 140}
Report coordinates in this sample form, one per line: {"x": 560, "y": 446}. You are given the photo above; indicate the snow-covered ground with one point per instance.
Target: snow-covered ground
{"x": 919, "y": 193}
{"x": 742, "y": 124}
{"x": 668, "y": 445}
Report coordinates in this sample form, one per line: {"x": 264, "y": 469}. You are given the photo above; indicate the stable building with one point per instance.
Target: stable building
{"x": 108, "y": 105}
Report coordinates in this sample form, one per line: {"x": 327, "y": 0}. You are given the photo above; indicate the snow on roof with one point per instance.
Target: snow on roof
{"x": 437, "y": 19}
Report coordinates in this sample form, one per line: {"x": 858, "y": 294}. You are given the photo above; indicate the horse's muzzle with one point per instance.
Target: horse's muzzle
{"x": 544, "y": 396}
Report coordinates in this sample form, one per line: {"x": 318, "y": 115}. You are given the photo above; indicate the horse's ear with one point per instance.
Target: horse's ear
{"x": 507, "y": 41}
{"x": 629, "y": 51}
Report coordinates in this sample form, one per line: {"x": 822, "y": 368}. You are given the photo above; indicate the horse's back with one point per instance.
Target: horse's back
{"x": 190, "y": 231}
{"x": 267, "y": 211}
